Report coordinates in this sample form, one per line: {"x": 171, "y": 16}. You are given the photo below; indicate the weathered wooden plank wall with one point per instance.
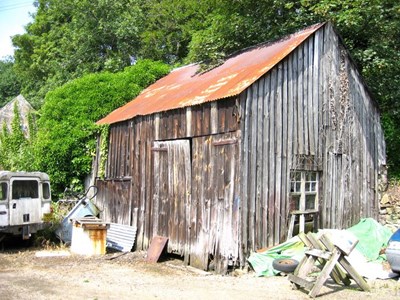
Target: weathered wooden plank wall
{"x": 135, "y": 139}
{"x": 113, "y": 199}
{"x": 312, "y": 107}
{"x": 215, "y": 201}
{"x": 120, "y": 150}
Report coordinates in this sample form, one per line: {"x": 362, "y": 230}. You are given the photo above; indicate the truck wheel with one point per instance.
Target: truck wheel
{"x": 286, "y": 265}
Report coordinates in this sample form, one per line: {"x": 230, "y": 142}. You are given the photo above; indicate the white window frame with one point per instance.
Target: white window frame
{"x": 305, "y": 183}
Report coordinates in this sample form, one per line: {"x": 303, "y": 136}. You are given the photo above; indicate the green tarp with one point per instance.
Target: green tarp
{"x": 371, "y": 235}
{"x": 262, "y": 262}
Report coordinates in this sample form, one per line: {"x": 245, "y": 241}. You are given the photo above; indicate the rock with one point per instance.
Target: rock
{"x": 385, "y": 199}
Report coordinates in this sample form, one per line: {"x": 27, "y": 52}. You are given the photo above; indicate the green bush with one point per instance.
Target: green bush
{"x": 65, "y": 140}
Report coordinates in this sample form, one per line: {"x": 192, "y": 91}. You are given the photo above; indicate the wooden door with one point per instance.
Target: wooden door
{"x": 215, "y": 201}
{"x": 171, "y": 193}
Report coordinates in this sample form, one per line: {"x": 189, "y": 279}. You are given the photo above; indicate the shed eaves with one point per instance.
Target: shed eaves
{"x": 187, "y": 87}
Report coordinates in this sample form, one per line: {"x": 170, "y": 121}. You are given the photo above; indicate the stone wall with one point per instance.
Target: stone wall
{"x": 389, "y": 214}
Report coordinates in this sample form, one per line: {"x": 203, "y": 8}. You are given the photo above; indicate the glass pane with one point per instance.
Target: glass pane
{"x": 3, "y": 191}
{"x": 307, "y": 186}
{"x": 25, "y": 189}
{"x": 46, "y": 191}
{"x": 310, "y": 202}
{"x": 313, "y": 187}
{"x": 313, "y": 176}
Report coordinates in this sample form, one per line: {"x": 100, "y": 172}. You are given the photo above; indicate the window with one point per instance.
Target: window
{"x": 3, "y": 191}
{"x": 25, "y": 189}
{"x": 46, "y": 191}
{"x": 304, "y": 190}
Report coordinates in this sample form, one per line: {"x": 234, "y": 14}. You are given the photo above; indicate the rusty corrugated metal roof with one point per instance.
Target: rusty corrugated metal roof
{"x": 186, "y": 87}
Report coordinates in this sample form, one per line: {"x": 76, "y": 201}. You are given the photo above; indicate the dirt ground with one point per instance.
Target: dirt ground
{"x": 38, "y": 273}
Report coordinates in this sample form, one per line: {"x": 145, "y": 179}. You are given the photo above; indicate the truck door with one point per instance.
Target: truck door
{"x": 25, "y": 203}
{"x": 3, "y": 204}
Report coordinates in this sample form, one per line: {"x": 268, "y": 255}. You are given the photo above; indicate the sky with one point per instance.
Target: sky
{"x": 14, "y": 15}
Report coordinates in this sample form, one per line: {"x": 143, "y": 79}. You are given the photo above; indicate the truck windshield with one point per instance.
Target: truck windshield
{"x": 3, "y": 191}
{"x": 25, "y": 189}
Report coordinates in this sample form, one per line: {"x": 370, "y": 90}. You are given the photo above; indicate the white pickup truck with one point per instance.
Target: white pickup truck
{"x": 25, "y": 198}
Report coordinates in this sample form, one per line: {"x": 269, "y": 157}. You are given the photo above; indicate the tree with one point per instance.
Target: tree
{"x": 65, "y": 140}
{"x": 12, "y": 143}
{"x": 9, "y": 82}
{"x": 70, "y": 38}
{"x": 168, "y": 27}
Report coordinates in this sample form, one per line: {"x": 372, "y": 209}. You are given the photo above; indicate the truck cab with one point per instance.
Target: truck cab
{"x": 25, "y": 199}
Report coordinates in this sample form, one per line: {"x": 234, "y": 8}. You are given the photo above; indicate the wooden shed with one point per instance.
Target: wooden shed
{"x": 219, "y": 161}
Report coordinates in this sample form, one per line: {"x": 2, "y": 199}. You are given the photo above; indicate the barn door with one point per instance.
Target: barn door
{"x": 215, "y": 201}
{"x": 171, "y": 193}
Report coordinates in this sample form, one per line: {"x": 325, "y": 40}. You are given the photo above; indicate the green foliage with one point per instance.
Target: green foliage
{"x": 9, "y": 83}
{"x": 104, "y": 133}
{"x": 169, "y": 26}
{"x": 65, "y": 142}
{"x": 70, "y": 38}
{"x": 13, "y": 144}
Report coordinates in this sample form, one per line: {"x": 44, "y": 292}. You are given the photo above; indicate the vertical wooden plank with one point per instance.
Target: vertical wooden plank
{"x": 300, "y": 101}
{"x": 230, "y": 119}
{"x": 265, "y": 160}
{"x": 135, "y": 196}
{"x": 241, "y": 201}
{"x": 245, "y": 167}
{"x": 236, "y": 226}
{"x": 253, "y": 166}
{"x": 305, "y": 115}
{"x": 259, "y": 161}
{"x": 157, "y": 126}
{"x": 199, "y": 244}
{"x": 311, "y": 116}
{"x": 195, "y": 217}
{"x": 291, "y": 129}
{"x": 295, "y": 75}
{"x": 156, "y": 193}
{"x": 291, "y": 114}
{"x": 278, "y": 154}
{"x": 207, "y": 118}
{"x": 142, "y": 172}
{"x": 221, "y": 118}
{"x": 189, "y": 121}
{"x": 317, "y": 93}
{"x": 175, "y": 123}
{"x": 285, "y": 172}
{"x": 335, "y": 71}
{"x": 272, "y": 158}
{"x": 326, "y": 128}
{"x": 148, "y": 175}
{"x": 214, "y": 117}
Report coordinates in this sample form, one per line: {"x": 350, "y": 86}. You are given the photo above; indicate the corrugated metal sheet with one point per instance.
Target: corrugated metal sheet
{"x": 121, "y": 237}
{"x": 186, "y": 87}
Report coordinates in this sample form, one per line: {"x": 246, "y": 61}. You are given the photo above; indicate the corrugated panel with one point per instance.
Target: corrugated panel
{"x": 186, "y": 87}
{"x": 121, "y": 237}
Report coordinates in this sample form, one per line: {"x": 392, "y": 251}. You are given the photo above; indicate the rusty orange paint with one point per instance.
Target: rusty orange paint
{"x": 187, "y": 87}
